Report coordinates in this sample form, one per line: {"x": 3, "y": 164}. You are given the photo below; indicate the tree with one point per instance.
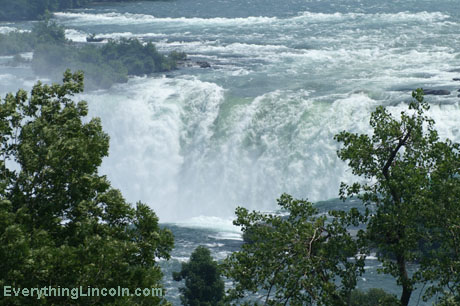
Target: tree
{"x": 298, "y": 259}
{"x": 48, "y": 32}
{"x": 373, "y": 297}
{"x": 103, "y": 65}
{"x": 61, "y": 224}
{"x": 203, "y": 283}
{"x": 412, "y": 191}
{"x": 43, "y": 33}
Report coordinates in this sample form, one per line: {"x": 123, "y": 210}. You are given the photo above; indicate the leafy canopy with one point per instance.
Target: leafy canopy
{"x": 103, "y": 64}
{"x": 61, "y": 223}
{"x": 373, "y": 297}
{"x": 298, "y": 259}
{"x": 412, "y": 187}
{"x": 411, "y": 191}
{"x": 203, "y": 283}
{"x": 44, "y": 32}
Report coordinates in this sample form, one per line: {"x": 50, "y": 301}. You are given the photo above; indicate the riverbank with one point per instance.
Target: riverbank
{"x": 103, "y": 64}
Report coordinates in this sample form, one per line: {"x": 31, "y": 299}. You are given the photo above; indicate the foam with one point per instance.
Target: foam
{"x": 118, "y": 18}
{"x": 6, "y": 29}
{"x": 380, "y": 17}
{"x": 190, "y": 148}
{"x": 80, "y": 36}
{"x": 150, "y": 117}
{"x": 75, "y": 35}
{"x": 27, "y": 55}
{"x": 303, "y": 17}
{"x": 221, "y": 225}
{"x": 244, "y": 49}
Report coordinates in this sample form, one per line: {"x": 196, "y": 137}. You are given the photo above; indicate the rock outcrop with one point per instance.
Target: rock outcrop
{"x": 203, "y": 64}
{"x": 436, "y": 92}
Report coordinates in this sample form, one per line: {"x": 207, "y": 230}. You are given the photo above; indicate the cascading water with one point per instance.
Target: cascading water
{"x": 262, "y": 120}
{"x": 285, "y": 77}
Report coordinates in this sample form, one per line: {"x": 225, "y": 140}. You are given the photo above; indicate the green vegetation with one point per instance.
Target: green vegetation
{"x": 35, "y": 9}
{"x": 373, "y": 297}
{"x": 45, "y": 32}
{"x": 203, "y": 283}
{"x": 411, "y": 193}
{"x": 61, "y": 223}
{"x": 413, "y": 188}
{"x": 16, "y": 42}
{"x": 103, "y": 65}
{"x": 300, "y": 259}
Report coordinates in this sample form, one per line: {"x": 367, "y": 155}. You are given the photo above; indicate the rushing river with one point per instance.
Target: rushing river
{"x": 285, "y": 77}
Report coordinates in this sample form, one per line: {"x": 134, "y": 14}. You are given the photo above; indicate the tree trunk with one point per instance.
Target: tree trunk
{"x": 406, "y": 284}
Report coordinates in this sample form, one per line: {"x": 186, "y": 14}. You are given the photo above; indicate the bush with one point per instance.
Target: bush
{"x": 48, "y": 32}
{"x": 203, "y": 284}
{"x": 16, "y": 42}
{"x": 373, "y": 297}
{"x": 103, "y": 65}
{"x": 177, "y": 56}
{"x": 298, "y": 259}
{"x": 44, "y": 32}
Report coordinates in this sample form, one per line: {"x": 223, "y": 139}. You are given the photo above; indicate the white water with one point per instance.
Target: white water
{"x": 176, "y": 147}
{"x": 261, "y": 121}
{"x": 286, "y": 77}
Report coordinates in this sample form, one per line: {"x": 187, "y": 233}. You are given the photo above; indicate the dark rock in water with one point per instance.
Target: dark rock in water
{"x": 458, "y": 96}
{"x": 204, "y": 64}
{"x": 402, "y": 89}
{"x": 93, "y": 38}
{"x": 456, "y": 79}
{"x": 458, "y": 90}
{"x": 436, "y": 92}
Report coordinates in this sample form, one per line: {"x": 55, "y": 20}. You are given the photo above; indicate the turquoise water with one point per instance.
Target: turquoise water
{"x": 286, "y": 76}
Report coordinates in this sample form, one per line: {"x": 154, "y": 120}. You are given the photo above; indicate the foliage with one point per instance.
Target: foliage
{"x": 177, "y": 56}
{"x": 413, "y": 187}
{"x": 301, "y": 259}
{"x": 48, "y": 32}
{"x": 203, "y": 283}
{"x": 44, "y": 32}
{"x": 137, "y": 58}
{"x": 449, "y": 299}
{"x": 61, "y": 223}
{"x": 103, "y": 65}
{"x": 50, "y": 60}
{"x": 373, "y": 297}
{"x": 15, "y": 42}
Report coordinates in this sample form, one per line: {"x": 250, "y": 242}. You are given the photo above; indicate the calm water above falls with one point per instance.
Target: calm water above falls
{"x": 286, "y": 76}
